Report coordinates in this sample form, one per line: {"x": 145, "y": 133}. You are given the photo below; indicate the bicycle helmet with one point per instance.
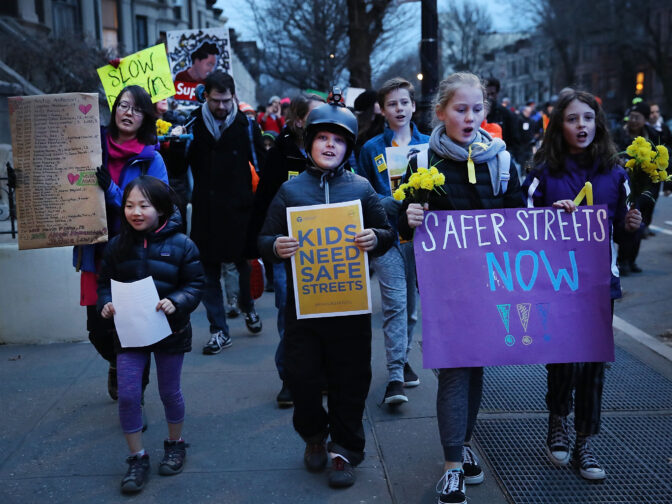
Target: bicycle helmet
{"x": 333, "y": 116}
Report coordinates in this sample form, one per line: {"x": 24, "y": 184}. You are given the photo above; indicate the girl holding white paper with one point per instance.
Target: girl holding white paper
{"x": 478, "y": 175}
{"x": 150, "y": 245}
{"x": 577, "y": 149}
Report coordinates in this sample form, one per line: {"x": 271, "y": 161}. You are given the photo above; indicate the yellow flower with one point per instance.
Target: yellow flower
{"x": 399, "y": 194}
{"x": 162, "y": 127}
{"x": 426, "y": 181}
{"x": 414, "y": 181}
{"x": 423, "y": 170}
{"x": 650, "y": 167}
{"x": 663, "y": 158}
{"x": 439, "y": 179}
{"x": 644, "y": 152}
{"x": 433, "y": 170}
{"x": 639, "y": 141}
{"x": 630, "y": 164}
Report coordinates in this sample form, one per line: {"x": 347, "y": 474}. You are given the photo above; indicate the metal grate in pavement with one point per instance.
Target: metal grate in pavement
{"x": 629, "y": 385}
{"x": 635, "y": 452}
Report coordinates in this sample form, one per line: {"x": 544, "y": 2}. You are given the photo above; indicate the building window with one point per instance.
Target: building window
{"x": 9, "y": 8}
{"x": 110, "y": 25}
{"x": 141, "y": 32}
{"x": 178, "y": 13}
{"x": 66, "y": 17}
{"x": 39, "y": 10}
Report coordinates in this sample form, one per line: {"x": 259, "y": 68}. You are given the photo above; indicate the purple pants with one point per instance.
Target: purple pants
{"x": 130, "y": 365}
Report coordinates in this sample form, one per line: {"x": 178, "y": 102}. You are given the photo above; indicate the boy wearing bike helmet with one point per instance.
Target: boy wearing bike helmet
{"x": 337, "y": 349}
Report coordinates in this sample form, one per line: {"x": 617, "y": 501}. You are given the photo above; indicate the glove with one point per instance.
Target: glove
{"x": 104, "y": 178}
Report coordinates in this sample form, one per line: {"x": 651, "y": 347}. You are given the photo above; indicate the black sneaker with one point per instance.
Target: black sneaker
{"x": 137, "y": 474}
{"x": 394, "y": 393}
{"x": 473, "y": 474}
{"x": 112, "y": 382}
{"x": 410, "y": 378}
{"x": 585, "y": 459}
{"x": 635, "y": 269}
{"x": 284, "y": 398}
{"x": 175, "y": 453}
{"x": 342, "y": 474}
{"x": 315, "y": 456}
{"x": 557, "y": 440}
{"x": 218, "y": 342}
{"x": 451, "y": 488}
{"x": 253, "y": 322}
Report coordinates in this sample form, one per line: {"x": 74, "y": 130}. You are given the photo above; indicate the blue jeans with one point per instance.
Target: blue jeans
{"x": 398, "y": 291}
{"x": 213, "y": 298}
{"x": 280, "y": 286}
{"x": 457, "y": 403}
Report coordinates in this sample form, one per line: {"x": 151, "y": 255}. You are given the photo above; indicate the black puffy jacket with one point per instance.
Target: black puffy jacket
{"x": 462, "y": 195}
{"x": 284, "y": 161}
{"x": 172, "y": 260}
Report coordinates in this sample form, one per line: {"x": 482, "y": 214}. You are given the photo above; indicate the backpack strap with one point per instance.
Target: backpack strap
{"x": 504, "y": 165}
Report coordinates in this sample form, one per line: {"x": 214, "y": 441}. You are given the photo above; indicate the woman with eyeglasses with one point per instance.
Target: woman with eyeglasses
{"x": 130, "y": 149}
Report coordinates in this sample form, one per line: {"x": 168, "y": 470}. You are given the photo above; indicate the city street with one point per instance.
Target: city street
{"x": 62, "y": 441}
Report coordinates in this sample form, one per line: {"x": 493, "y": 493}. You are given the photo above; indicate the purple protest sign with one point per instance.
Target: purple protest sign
{"x": 514, "y": 286}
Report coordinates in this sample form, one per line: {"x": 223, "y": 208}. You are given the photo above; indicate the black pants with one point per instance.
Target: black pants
{"x": 586, "y": 380}
{"x": 338, "y": 348}
{"x": 102, "y": 337}
{"x": 101, "y": 334}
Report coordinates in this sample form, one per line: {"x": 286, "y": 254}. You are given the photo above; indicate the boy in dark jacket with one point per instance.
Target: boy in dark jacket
{"x": 336, "y": 347}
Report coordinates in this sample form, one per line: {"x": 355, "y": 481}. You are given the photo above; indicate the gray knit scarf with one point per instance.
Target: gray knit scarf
{"x": 211, "y": 123}
{"x": 491, "y": 151}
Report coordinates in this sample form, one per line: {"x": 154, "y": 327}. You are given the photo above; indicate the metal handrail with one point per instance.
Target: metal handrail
{"x": 11, "y": 186}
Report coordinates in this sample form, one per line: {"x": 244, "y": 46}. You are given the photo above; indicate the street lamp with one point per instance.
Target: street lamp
{"x": 419, "y": 76}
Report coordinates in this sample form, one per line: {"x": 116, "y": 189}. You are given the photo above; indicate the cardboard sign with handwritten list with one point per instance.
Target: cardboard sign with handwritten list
{"x": 56, "y": 148}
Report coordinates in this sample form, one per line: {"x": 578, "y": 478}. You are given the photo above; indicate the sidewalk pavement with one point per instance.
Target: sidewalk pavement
{"x": 62, "y": 441}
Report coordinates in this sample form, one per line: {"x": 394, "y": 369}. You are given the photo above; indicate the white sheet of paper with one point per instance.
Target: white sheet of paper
{"x": 137, "y": 321}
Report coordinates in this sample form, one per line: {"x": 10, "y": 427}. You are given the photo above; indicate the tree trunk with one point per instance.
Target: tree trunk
{"x": 361, "y": 45}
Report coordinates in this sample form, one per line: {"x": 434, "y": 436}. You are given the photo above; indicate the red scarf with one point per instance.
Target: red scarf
{"x": 119, "y": 154}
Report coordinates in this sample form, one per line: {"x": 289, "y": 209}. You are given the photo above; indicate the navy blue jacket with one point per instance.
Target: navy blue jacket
{"x": 542, "y": 189}
{"x": 172, "y": 260}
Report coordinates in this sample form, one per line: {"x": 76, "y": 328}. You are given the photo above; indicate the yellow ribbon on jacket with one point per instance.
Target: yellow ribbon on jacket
{"x": 585, "y": 192}
{"x": 471, "y": 169}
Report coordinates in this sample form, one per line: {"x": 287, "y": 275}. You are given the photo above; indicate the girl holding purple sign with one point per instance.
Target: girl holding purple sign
{"x": 577, "y": 149}
{"x": 478, "y": 175}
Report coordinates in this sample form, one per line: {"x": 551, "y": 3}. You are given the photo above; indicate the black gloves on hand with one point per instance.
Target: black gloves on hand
{"x": 104, "y": 178}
